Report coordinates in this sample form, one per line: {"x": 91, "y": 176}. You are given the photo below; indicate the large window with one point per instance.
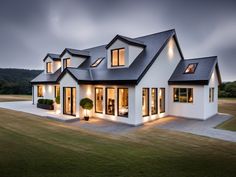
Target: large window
{"x": 57, "y": 91}
{"x": 110, "y": 101}
{"x": 66, "y": 63}
{"x": 145, "y": 102}
{"x": 162, "y": 100}
{"x": 40, "y": 91}
{"x": 123, "y": 102}
{"x": 69, "y": 101}
{"x": 211, "y": 94}
{"x": 98, "y": 100}
{"x": 49, "y": 67}
{"x": 154, "y": 101}
{"x": 183, "y": 95}
{"x": 190, "y": 68}
{"x": 118, "y": 57}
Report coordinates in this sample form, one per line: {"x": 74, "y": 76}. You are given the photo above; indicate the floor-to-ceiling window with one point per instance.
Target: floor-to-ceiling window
{"x": 69, "y": 100}
{"x": 57, "y": 91}
{"x": 110, "y": 101}
{"x": 145, "y": 102}
{"x": 98, "y": 100}
{"x": 123, "y": 102}
{"x": 154, "y": 101}
{"x": 162, "y": 100}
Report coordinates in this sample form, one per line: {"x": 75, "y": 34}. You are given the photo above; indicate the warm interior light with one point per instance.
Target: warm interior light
{"x": 171, "y": 49}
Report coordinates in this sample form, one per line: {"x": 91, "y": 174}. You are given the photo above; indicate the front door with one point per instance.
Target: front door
{"x": 69, "y": 103}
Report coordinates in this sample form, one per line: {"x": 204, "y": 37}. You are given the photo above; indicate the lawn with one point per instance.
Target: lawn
{"x": 35, "y": 147}
{"x": 228, "y": 106}
{"x": 6, "y": 98}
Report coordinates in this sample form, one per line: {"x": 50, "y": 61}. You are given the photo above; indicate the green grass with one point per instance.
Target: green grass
{"x": 35, "y": 147}
{"x": 228, "y": 106}
{"x": 7, "y": 98}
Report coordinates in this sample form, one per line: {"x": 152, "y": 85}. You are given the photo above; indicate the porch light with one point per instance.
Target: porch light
{"x": 88, "y": 92}
{"x": 50, "y": 89}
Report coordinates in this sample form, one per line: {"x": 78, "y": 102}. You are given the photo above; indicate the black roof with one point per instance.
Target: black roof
{"x": 201, "y": 75}
{"x": 75, "y": 52}
{"x": 44, "y": 78}
{"x": 54, "y": 57}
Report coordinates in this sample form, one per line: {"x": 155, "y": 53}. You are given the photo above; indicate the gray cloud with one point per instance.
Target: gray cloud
{"x": 30, "y": 29}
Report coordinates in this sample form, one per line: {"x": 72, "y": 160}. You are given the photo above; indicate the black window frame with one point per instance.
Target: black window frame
{"x": 38, "y": 91}
{"x": 55, "y": 91}
{"x": 47, "y": 63}
{"x": 187, "y": 94}
{"x": 118, "y": 57}
{"x": 65, "y": 63}
{"x": 95, "y": 100}
{"x": 106, "y": 111}
{"x": 72, "y": 105}
{"x": 196, "y": 64}
{"x": 211, "y": 94}
{"x": 93, "y": 64}
{"x": 156, "y": 102}
{"x": 148, "y": 105}
{"x": 164, "y": 106}
{"x": 118, "y": 97}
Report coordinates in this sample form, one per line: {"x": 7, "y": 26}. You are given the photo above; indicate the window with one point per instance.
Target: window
{"x": 69, "y": 101}
{"x": 49, "y": 67}
{"x": 145, "y": 102}
{"x": 123, "y": 102}
{"x": 57, "y": 91}
{"x": 211, "y": 94}
{"x": 118, "y": 57}
{"x": 97, "y": 62}
{"x": 162, "y": 100}
{"x": 154, "y": 101}
{"x": 66, "y": 63}
{"x": 110, "y": 101}
{"x": 183, "y": 95}
{"x": 191, "y": 68}
{"x": 98, "y": 100}
{"x": 40, "y": 91}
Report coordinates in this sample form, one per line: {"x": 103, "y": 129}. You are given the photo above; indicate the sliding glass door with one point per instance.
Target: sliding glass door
{"x": 69, "y": 103}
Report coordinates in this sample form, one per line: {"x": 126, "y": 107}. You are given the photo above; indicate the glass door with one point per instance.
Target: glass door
{"x": 162, "y": 100}
{"x": 69, "y": 101}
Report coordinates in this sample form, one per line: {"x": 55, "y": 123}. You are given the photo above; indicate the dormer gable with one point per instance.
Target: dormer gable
{"x": 52, "y": 62}
{"x": 122, "y": 51}
{"x": 73, "y": 58}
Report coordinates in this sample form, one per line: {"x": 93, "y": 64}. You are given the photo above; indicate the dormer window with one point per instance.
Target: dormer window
{"x": 66, "y": 63}
{"x": 118, "y": 57}
{"x": 97, "y": 62}
{"x": 49, "y": 67}
{"x": 191, "y": 68}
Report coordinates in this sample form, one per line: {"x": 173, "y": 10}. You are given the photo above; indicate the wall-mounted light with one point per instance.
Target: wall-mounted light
{"x": 171, "y": 49}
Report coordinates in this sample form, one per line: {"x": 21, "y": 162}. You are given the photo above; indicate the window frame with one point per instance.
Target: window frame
{"x": 211, "y": 94}
{"x": 93, "y": 64}
{"x": 55, "y": 91}
{"x": 164, "y": 106}
{"x": 187, "y": 95}
{"x": 156, "y": 102}
{"x": 148, "y": 105}
{"x": 38, "y": 95}
{"x": 65, "y": 63}
{"x": 118, "y": 57}
{"x": 47, "y": 67}
{"x": 106, "y": 111}
{"x": 118, "y": 98}
{"x": 193, "y": 70}
{"x": 95, "y": 100}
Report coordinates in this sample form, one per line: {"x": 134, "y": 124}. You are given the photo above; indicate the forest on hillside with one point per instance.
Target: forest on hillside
{"x": 227, "y": 89}
{"x": 16, "y": 81}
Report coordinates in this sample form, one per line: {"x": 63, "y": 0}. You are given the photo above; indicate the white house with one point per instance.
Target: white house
{"x": 131, "y": 80}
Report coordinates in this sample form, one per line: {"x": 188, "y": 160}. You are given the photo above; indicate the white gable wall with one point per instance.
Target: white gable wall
{"x": 55, "y": 65}
{"x": 157, "y": 77}
{"x": 75, "y": 61}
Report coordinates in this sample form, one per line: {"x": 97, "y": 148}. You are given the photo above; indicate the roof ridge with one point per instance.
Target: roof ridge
{"x": 214, "y": 56}
{"x": 155, "y": 33}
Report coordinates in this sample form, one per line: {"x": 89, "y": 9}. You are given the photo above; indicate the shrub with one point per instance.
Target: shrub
{"x": 58, "y": 99}
{"x": 45, "y": 101}
{"x": 86, "y": 103}
{"x": 40, "y": 101}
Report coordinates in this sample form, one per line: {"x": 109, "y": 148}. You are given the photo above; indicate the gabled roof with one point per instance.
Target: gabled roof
{"x": 44, "y": 78}
{"x": 54, "y": 57}
{"x": 127, "y": 40}
{"x": 201, "y": 75}
{"x": 75, "y": 52}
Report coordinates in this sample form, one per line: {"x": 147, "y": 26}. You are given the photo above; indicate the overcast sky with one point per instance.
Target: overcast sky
{"x": 29, "y": 29}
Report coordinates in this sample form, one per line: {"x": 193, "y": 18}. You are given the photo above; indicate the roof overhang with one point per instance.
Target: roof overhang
{"x": 78, "y": 54}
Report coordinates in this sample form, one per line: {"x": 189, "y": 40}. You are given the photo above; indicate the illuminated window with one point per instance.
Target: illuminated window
{"x": 154, "y": 101}
{"x": 98, "y": 100}
{"x": 183, "y": 95}
{"x": 162, "y": 98}
{"x": 191, "y": 68}
{"x": 145, "y": 102}
{"x": 40, "y": 90}
{"x": 118, "y": 57}
{"x": 123, "y": 108}
{"x": 110, "y": 101}
{"x": 211, "y": 94}
{"x": 66, "y": 63}
{"x": 57, "y": 91}
{"x": 49, "y": 67}
{"x": 97, "y": 62}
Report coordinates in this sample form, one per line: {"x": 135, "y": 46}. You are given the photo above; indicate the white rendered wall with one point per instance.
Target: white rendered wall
{"x": 74, "y": 61}
{"x": 131, "y": 52}
{"x": 68, "y": 81}
{"x": 157, "y": 77}
{"x": 55, "y": 65}
{"x": 211, "y": 108}
{"x": 48, "y": 92}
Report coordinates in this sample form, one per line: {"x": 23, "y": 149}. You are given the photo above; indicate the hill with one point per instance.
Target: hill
{"x": 16, "y": 81}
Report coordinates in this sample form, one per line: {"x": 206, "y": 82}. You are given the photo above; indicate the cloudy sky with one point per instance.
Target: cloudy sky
{"x": 31, "y": 28}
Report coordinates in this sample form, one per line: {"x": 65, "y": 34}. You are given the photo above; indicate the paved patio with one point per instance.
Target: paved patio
{"x": 197, "y": 127}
